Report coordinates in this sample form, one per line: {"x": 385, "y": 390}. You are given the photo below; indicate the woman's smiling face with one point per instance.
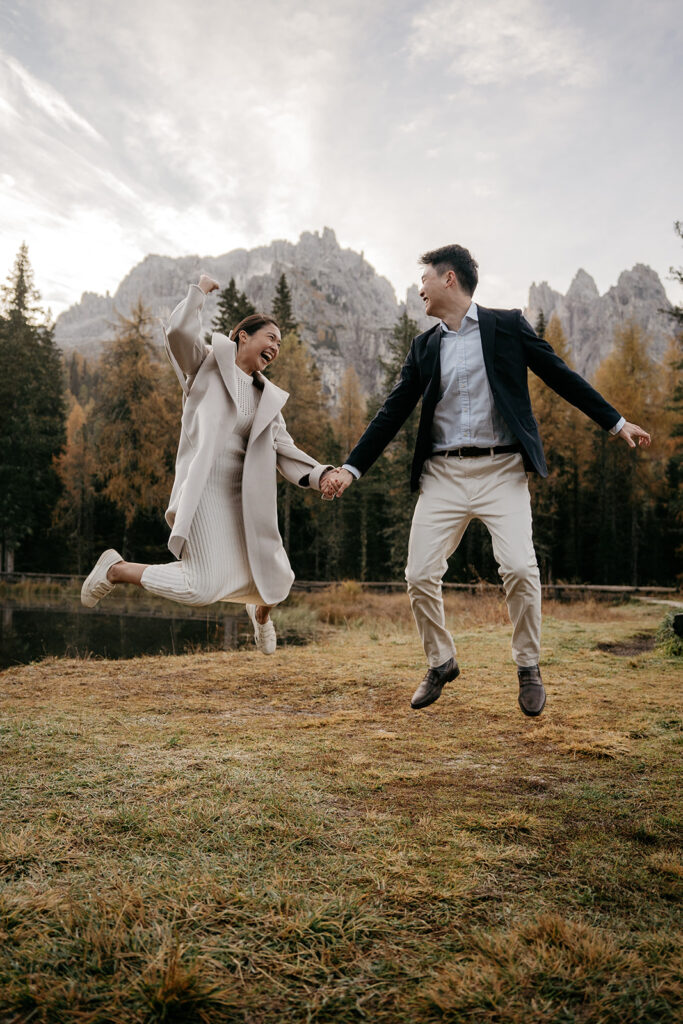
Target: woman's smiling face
{"x": 256, "y": 351}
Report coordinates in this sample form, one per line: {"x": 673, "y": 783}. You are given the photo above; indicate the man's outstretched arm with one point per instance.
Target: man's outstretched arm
{"x": 553, "y": 371}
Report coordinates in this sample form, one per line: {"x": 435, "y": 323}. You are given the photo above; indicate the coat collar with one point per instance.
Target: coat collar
{"x": 271, "y": 401}
{"x": 272, "y": 397}
{"x": 225, "y": 350}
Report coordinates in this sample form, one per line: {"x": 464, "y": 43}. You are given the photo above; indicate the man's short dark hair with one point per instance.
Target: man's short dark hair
{"x": 455, "y": 258}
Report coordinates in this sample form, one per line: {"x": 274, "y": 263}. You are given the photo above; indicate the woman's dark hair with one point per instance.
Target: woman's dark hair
{"x": 253, "y": 323}
{"x": 455, "y": 258}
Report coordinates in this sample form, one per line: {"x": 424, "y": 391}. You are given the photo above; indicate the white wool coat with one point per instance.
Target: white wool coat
{"x": 207, "y": 376}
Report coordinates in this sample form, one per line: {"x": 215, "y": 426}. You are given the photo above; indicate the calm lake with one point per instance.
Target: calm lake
{"x": 28, "y": 633}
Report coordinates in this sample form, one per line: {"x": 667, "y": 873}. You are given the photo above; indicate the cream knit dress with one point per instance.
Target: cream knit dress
{"x": 214, "y": 564}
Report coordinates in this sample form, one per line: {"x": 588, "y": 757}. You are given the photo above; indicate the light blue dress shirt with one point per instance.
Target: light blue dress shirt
{"x": 465, "y": 413}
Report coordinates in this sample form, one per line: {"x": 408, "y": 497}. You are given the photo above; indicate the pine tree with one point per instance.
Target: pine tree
{"x": 540, "y": 324}
{"x": 673, "y": 413}
{"x": 77, "y": 470}
{"x": 32, "y": 416}
{"x": 138, "y": 416}
{"x": 233, "y": 306}
{"x": 358, "y": 503}
{"x": 282, "y": 307}
{"x": 674, "y": 403}
{"x": 557, "y": 499}
{"x": 628, "y": 483}
{"x": 349, "y": 419}
{"x": 393, "y": 471}
{"x": 81, "y": 375}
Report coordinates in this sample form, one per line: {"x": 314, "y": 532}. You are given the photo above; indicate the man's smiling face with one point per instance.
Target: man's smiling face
{"x": 433, "y": 290}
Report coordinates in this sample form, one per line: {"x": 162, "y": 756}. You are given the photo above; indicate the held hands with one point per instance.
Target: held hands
{"x": 334, "y": 482}
{"x": 207, "y": 284}
{"x": 631, "y": 431}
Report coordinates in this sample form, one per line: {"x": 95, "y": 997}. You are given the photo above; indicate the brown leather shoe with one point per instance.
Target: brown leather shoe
{"x": 433, "y": 683}
{"x": 531, "y": 691}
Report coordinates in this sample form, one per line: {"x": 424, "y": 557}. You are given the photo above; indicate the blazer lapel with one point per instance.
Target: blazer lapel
{"x": 487, "y": 330}
{"x": 432, "y": 353}
{"x": 432, "y": 366}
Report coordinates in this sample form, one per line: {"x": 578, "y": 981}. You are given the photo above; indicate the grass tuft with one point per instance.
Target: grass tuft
{"x": 224, "y": 837}
{"x": 174, "y": 990}
{"x": 548, "y": 970}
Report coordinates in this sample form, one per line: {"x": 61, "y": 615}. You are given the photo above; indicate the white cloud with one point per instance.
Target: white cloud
{"x": 200, "y": 129}
{"x": 43, "y": 98}
{"x": 172, "y": 128}
{"x": 498, "y": 41}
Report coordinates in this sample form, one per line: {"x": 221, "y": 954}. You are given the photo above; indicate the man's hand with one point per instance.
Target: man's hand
{"x": 207, "y": 284}
{"x": 340, "y": 479}
{"x": 631, "y": 431}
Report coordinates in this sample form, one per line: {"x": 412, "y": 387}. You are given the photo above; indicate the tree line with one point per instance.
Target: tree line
{"x": 88, "y": 449}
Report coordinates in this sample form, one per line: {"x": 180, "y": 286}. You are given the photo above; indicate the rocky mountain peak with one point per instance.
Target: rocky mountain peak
{"x": 641, "y": 283}
{"x": 345, "y": 310}
{"x": 583, "y": 288}
{"x": 589, "y": 319}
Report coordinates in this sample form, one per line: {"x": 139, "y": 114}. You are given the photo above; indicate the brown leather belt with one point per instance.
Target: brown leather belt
{"x": 471, "y": 452}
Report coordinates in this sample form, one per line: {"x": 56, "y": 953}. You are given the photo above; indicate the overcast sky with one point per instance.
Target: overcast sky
{"x": 543, "y": 135}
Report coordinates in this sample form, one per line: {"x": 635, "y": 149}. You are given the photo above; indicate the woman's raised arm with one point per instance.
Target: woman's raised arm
{"x": 207, "y": 284}
{"x": 184, "y": 329}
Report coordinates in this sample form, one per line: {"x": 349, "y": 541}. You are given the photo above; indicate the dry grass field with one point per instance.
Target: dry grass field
{"x": 226, "y": 837}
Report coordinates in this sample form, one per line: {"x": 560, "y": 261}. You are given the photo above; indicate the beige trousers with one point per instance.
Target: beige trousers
{"x": 454, "y": 491}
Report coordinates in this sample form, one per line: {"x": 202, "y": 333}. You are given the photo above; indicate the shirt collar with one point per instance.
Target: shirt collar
{"x": 471, "y": 314}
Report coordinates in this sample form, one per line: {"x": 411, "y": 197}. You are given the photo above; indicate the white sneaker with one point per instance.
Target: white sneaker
{"x": 265, "y": 637}
{"x": 97, "y": 585}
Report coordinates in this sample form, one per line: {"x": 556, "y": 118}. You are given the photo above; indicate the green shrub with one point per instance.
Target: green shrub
{"x": 668, "y": 642}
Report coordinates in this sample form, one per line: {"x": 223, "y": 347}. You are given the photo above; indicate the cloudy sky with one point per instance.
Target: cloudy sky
{"x": 543, "y": 135}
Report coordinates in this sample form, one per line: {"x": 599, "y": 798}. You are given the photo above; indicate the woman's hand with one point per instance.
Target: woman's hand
{"x": 326, "y": 490}
{"x": 338, "y": 480}
{"x": 334, "y": 482}
{"x": 207, "y": 284}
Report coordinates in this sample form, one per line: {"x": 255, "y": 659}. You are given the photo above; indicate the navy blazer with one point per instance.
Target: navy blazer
{"x": 510, "y": 346}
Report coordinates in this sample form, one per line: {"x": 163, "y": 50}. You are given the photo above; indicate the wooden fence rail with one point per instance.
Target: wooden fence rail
{"x": 560, "y": 590}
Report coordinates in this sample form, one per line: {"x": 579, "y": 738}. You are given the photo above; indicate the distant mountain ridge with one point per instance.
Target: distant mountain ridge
{"x": 347, "y": 311}
{"x": 589, "y": 319}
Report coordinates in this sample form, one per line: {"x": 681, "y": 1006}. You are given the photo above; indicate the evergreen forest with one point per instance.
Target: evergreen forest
{"x": 87, "y": 450}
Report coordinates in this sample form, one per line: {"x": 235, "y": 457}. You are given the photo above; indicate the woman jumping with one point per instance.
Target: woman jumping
{"x": 223, "y": 506}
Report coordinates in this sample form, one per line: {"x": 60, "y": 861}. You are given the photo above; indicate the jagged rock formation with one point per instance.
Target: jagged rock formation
{"x": 589, "y": 319}
{"x": 414, "y": 307}
{"x": 345, "y": 310}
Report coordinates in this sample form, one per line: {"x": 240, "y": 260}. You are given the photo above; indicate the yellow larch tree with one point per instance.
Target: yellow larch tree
{"x": 76, "y": 467}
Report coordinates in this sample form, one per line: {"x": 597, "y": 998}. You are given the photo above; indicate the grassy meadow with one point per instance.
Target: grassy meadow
{"x": 225, "y": 837}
